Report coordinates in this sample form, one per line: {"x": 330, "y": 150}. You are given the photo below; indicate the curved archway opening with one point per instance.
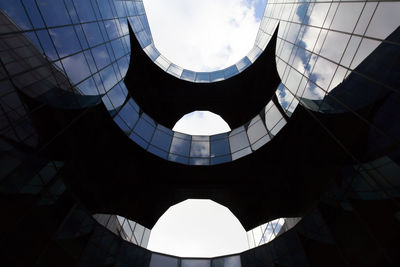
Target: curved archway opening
{"x": 201, "y": 122}
{"x": 198, "y": 228}
{"x": 204, "y": 35}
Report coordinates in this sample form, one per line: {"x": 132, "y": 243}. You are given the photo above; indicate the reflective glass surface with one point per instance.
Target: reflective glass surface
{"x": 318, "y": 45}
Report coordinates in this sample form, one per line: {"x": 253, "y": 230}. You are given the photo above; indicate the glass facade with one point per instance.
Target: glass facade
{"x": 139, "y": 235}
{"x": 97, "y": 40}
{"x": 128, "y": 230}
{"x": 338, "y": 61}
{"x": 309, "y": 62}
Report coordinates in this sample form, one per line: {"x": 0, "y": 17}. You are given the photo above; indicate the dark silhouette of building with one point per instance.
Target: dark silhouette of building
{"x": 315, "y": 113}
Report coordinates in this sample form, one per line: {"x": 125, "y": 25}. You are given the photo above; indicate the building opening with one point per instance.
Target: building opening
{"x": 201, "y": 123}
{"x": 198, "y": 228}
{"x": 183, "y": 35}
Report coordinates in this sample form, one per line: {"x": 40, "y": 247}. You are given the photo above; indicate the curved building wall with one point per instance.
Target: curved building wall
{"x": 309, "y": 61}
{"x": 89, "y": 43}
{"x": 320, "y": 44}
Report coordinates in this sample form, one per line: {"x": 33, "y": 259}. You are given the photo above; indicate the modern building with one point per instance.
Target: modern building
{"x": 87, "y": 104}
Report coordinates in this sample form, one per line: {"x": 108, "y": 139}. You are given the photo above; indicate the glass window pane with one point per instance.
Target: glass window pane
{"x": 334, "y": 45}
{"x": 32, "y": 11}
{"x": 76, "y": 68}
{"x": 202, "y": 77}
{"x": 144, "y": 129}
{"x": 241, "y": 153}
{"x": 152, "y": 52}
{"x": 350, "y": 51}
{"x": 158, "y": 260}
{"x": 320, "y": 41}
{"x": 175, "y": 70}
{"x": 323, "y": 72}
{"x": 127, "y": 230}
{"x": 386, "y": 19}
{"x": 162, "y": 62}
{"x": 138, "y": 232}
{"x": 180, "y": 146}
{"x": 65, "y": 40}
{"x": 47, "y": 44}
{"x": 310, "y": 37}
{"x": 346, "y": 16}
{"x": 71, "y": 11}
{"x": 138, "y": 140}
{"x": 81, "y": 37}
{"x": 146, "y": 237}
{"x": 233, "y": 261}
{"x": 161, "y": 153}
{"x": 54, "y": 12}
{"x": 221, "y": 159}
{"x": 256, "y": 130}
{"x": 101, "y": 56}
{"x": 243, "y": 63}
{"x": 195, "y": 263}
{"x": 105, "y": 9}
{"x": 230, "y": 71}
{"x": 254, "y": 53}
{"x": 88, "y": 87}
{"x": 200, "y": 148}
{"x": 238, "y": 141}
{"x": 117, "y": 96}
{"x": 199, "y": 161}
{"x": 162, "y": 140}
{"x": 112, "y": 28}
{"x": 136, "y": 24}
{"x": 93, "y": 34}
{"x": 129, "y": 115}
{"x": 365, "y": 18}
{"x": 319, "y": 12}
{"x": 177, "y": 158}
{"x": 188, "y": 75}
{"x": 293, "y": 80}
{"x": 291, "y": 34}
{"x": 220, "y": 147}
{"x": 278, "y": 127}
{"x": 118, "y": 49}
{"x": 262, "y": 141}
{"x": 84, "y": 10}
{"x": 216, "y": 76}
{"x": 272, "y": 116}
{"x": 139, "y": 7}
{"x": 331, "y": 13}
{"x": 108, "y": 77}
{"x": 366, "y": 48}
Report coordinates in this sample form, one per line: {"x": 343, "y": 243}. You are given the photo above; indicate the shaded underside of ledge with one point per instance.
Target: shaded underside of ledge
{"x": 166, "y": 98}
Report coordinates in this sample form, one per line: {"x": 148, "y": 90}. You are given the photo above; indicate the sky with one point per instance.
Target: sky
{"x": 201, "y": 228}
{"x": 201, "y": 123}
{"x": 209, "y": 35}
{"x": 202, "y": 35}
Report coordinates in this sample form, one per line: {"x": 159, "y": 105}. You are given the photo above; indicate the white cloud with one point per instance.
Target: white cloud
{"x": 203, "y": 35}
{"x": 200, "y": 228}
{"x": 201, "y": 123}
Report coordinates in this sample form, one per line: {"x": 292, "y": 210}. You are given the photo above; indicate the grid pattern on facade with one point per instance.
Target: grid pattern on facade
{"x": 89, "y": 43}
{"x": 127, "y": 229}
{"x": 311, "y": 62}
